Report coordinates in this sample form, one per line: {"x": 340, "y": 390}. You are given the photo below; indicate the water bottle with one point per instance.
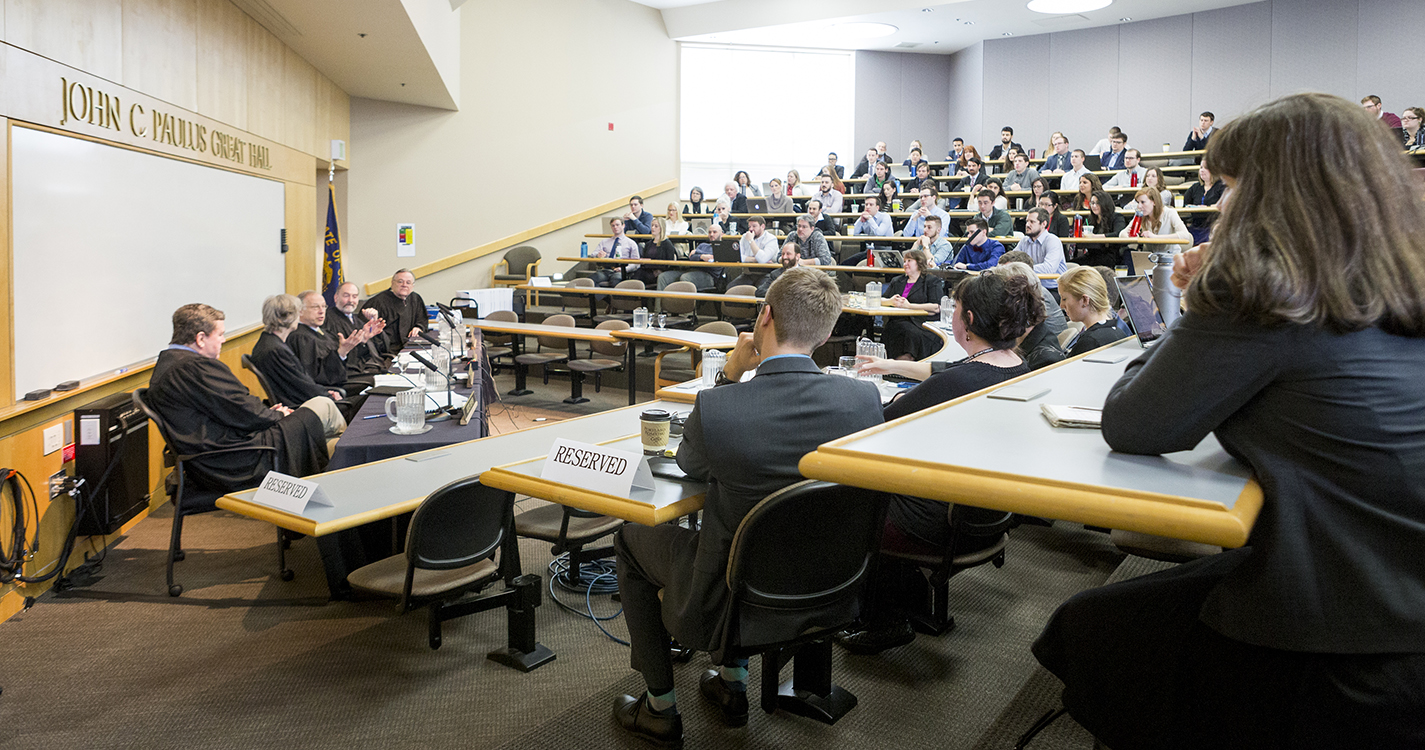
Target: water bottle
{"x": 873, "y": 295}
{"x": 947, "y": 309}
{"x": 1165, "y": 292}
{"x": 583, "y": 249}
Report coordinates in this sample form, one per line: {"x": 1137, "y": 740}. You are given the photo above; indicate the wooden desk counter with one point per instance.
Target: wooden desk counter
{"x": 388, "y": 488}
{"x": 668, "y": 500}
{"x": 1004, "y": 455}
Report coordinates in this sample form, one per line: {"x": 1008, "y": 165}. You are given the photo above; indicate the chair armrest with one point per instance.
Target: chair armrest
{"x": 658, "y": 362}
{"x": 531, "y": 270}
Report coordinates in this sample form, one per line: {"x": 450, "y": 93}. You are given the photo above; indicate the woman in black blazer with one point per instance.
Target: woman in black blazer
{"x": 904, "y": 337}
{"x": 657, "y": 247}
{"x": 1301, "y": 351}
{"x": 1103, "y": 216}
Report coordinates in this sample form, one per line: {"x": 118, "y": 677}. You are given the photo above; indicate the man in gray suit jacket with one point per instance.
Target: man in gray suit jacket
{"x": 745, "y": 439}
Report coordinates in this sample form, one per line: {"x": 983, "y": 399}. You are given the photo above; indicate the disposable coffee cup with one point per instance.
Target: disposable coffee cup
{"x": 655, "y": 424}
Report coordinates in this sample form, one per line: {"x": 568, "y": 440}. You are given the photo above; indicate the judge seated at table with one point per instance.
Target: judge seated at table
{"x": 402, "y": 308}
{"x": 207, "y": 409}
{"x": 343, "y": 319}
{"x": 324, "y": 355}
{"x": 992, "y": 313}
{"x": 290, "y": 383}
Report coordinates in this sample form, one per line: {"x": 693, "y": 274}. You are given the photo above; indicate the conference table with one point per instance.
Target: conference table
{"x": 1004, "y": 455}
{"x": 368, "y": 435}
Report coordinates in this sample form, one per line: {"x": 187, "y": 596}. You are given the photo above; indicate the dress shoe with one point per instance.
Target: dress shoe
{"x": 634, "y": 715}
{"x": 732, "y": 703}
{"x": 874, "y": 641}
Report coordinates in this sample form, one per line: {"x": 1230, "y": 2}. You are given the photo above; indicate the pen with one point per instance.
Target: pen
{"x": 373, "y": 416}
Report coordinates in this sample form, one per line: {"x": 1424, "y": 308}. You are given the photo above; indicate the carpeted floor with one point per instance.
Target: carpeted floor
{"x": 244, "y": 660}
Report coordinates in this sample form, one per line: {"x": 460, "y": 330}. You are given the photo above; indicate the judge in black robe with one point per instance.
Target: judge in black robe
{"x": 365, "y": 360}
{"x": 402, "y": 308}
{"x": 207, "y": 409}
{"x": 291, "y": 384}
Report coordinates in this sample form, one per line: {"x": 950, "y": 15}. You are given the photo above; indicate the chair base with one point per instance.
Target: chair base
{"x": 519, "y": 392}
{"x": 524, "y": 662}
{"x": 826, "y": 709}
{"x": 576, "y": 400}
{"x": 932, "y": 625}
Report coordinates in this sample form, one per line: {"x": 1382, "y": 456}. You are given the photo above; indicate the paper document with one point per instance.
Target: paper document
{"x": 1060, "y": 415}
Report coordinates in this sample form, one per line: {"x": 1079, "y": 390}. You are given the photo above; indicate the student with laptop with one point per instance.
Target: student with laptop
{"x": 1084, "y": 298}
{"x": 1301, "y": 351}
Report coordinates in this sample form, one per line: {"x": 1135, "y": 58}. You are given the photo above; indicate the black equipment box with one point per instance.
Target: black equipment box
{"x": 105, "y": 430}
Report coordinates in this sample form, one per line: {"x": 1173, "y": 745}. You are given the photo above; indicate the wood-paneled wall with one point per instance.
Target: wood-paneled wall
{"x": 204, "y": 57}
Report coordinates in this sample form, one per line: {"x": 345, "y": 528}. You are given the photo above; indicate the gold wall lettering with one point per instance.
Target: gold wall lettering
{"x": 87, "y": 104}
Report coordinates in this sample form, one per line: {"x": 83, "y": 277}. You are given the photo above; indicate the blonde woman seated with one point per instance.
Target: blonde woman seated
{"x": 794, "y": 187}
{"x": 1153, "y": 219}
{"x": 676, "y": 223}
{"x": 1084, "y": 297}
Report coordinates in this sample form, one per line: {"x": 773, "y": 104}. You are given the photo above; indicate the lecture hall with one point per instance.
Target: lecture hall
{"x": 709, "y": 373}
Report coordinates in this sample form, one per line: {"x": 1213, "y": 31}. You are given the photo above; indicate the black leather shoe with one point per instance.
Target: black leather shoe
{"x": 732, "y": 703}
{"x": 869, "y": 642}
{"x": 634, "y": 715}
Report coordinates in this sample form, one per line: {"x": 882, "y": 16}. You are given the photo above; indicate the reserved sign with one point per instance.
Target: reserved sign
{"x": 596, "y": 467}
{"x": 289, "y": 493}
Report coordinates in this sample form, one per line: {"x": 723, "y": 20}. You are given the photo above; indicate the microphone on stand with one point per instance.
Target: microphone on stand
{"x": 449, "y": 410}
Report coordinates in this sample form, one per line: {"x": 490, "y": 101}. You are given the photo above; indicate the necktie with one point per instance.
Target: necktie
{"x": 1133, "y": 179}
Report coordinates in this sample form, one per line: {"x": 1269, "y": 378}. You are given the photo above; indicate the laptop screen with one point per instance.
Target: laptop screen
{"x": 1143, "y": 313}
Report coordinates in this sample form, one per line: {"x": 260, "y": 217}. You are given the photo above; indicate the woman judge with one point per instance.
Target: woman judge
{"x": 1301, "y": 350}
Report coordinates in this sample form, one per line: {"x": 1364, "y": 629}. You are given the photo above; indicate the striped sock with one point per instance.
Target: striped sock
{"x": 736, "y": 675}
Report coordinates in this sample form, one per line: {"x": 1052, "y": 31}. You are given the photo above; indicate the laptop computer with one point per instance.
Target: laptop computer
{"x": 726, "y": 251}
{"x": 1143, "y": 315}
{"x": 889, "y": 258}
{"x": 1092, "y": 162}
{"x": 757, "y": 205}
{"x": 1142, "y": 263}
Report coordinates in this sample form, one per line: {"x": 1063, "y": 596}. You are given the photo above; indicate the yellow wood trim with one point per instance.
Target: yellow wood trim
{"x": 7, "y": 273}
{"x": 680, "y": 397}
{"x": 1150, "y": 513}
{"x": 556, "y": 332}
{"x": 270, "y": 515}
{"x": 651, "y": 293}
{"x": 596, "y": 502}
{"x": 503, "y": 477}
{"x": 23, "y": 415}
{"x": 649, "y": 334}
{"x": 480, "y": 251}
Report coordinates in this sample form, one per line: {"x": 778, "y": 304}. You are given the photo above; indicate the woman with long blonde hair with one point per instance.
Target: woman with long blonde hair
{"x": 1154, "y": 219}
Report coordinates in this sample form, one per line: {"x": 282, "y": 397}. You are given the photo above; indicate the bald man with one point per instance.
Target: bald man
{"x": 402, "y": 308}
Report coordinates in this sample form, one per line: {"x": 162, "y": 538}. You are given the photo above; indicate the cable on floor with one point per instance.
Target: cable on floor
{"x": 601, "y": 569}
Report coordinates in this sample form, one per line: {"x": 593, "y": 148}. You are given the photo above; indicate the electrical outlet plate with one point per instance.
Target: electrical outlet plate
{"x": 54, "y": 438}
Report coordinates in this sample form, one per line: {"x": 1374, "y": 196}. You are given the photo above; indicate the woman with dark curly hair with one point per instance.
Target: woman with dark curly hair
{"x": 992, "y": 313}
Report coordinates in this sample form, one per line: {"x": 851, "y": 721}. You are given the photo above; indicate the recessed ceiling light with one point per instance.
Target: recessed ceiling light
{"x": 863, "y": 29}
{"x": 1007, "y": 33}
{"x": 1125, "y": 19}
{"x": 969, "y": 23}
{"x": 1067, "y": 6}
{"x": 927, "y": 10}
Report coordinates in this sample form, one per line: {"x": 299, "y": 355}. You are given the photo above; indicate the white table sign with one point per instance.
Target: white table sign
{"x": 289, "y": 493}
{"x": 596, "y": 467}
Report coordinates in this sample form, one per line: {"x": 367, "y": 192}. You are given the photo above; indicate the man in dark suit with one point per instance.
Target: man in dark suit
{"x": 831, "y": 164}
{"x": 745, "y": 439}
{"x": 1006, "y": 142}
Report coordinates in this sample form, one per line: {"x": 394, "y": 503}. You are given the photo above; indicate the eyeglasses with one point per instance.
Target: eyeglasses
{"x": 1409, "y": 117}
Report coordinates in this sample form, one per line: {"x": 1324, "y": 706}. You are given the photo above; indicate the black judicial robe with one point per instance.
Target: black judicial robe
{"x": 208, "y": 409}
{"x": 366, "y": 359}
{"x": 400, "y": 316}
{"x": 316, "y": 351}
{"x": 291, "y": 384}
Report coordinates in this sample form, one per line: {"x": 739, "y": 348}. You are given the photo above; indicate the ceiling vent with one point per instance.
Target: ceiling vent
{"x": 908, "y": 45}
{"x": 1054, "y": 22}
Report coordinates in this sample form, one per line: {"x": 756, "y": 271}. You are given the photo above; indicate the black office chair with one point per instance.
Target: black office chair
{"x": 451, "y": 546}
{"x": 798, "y": 563}
{"x": 603, "y": 355}
{"x": 250, "y": 366}
{"x": 569, "y": 530}
{"x": 189, "y": 500}
{"x": 982, "y": 535}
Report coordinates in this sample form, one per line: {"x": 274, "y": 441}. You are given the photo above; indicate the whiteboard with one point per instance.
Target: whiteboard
{"x": 108, "y": 242}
